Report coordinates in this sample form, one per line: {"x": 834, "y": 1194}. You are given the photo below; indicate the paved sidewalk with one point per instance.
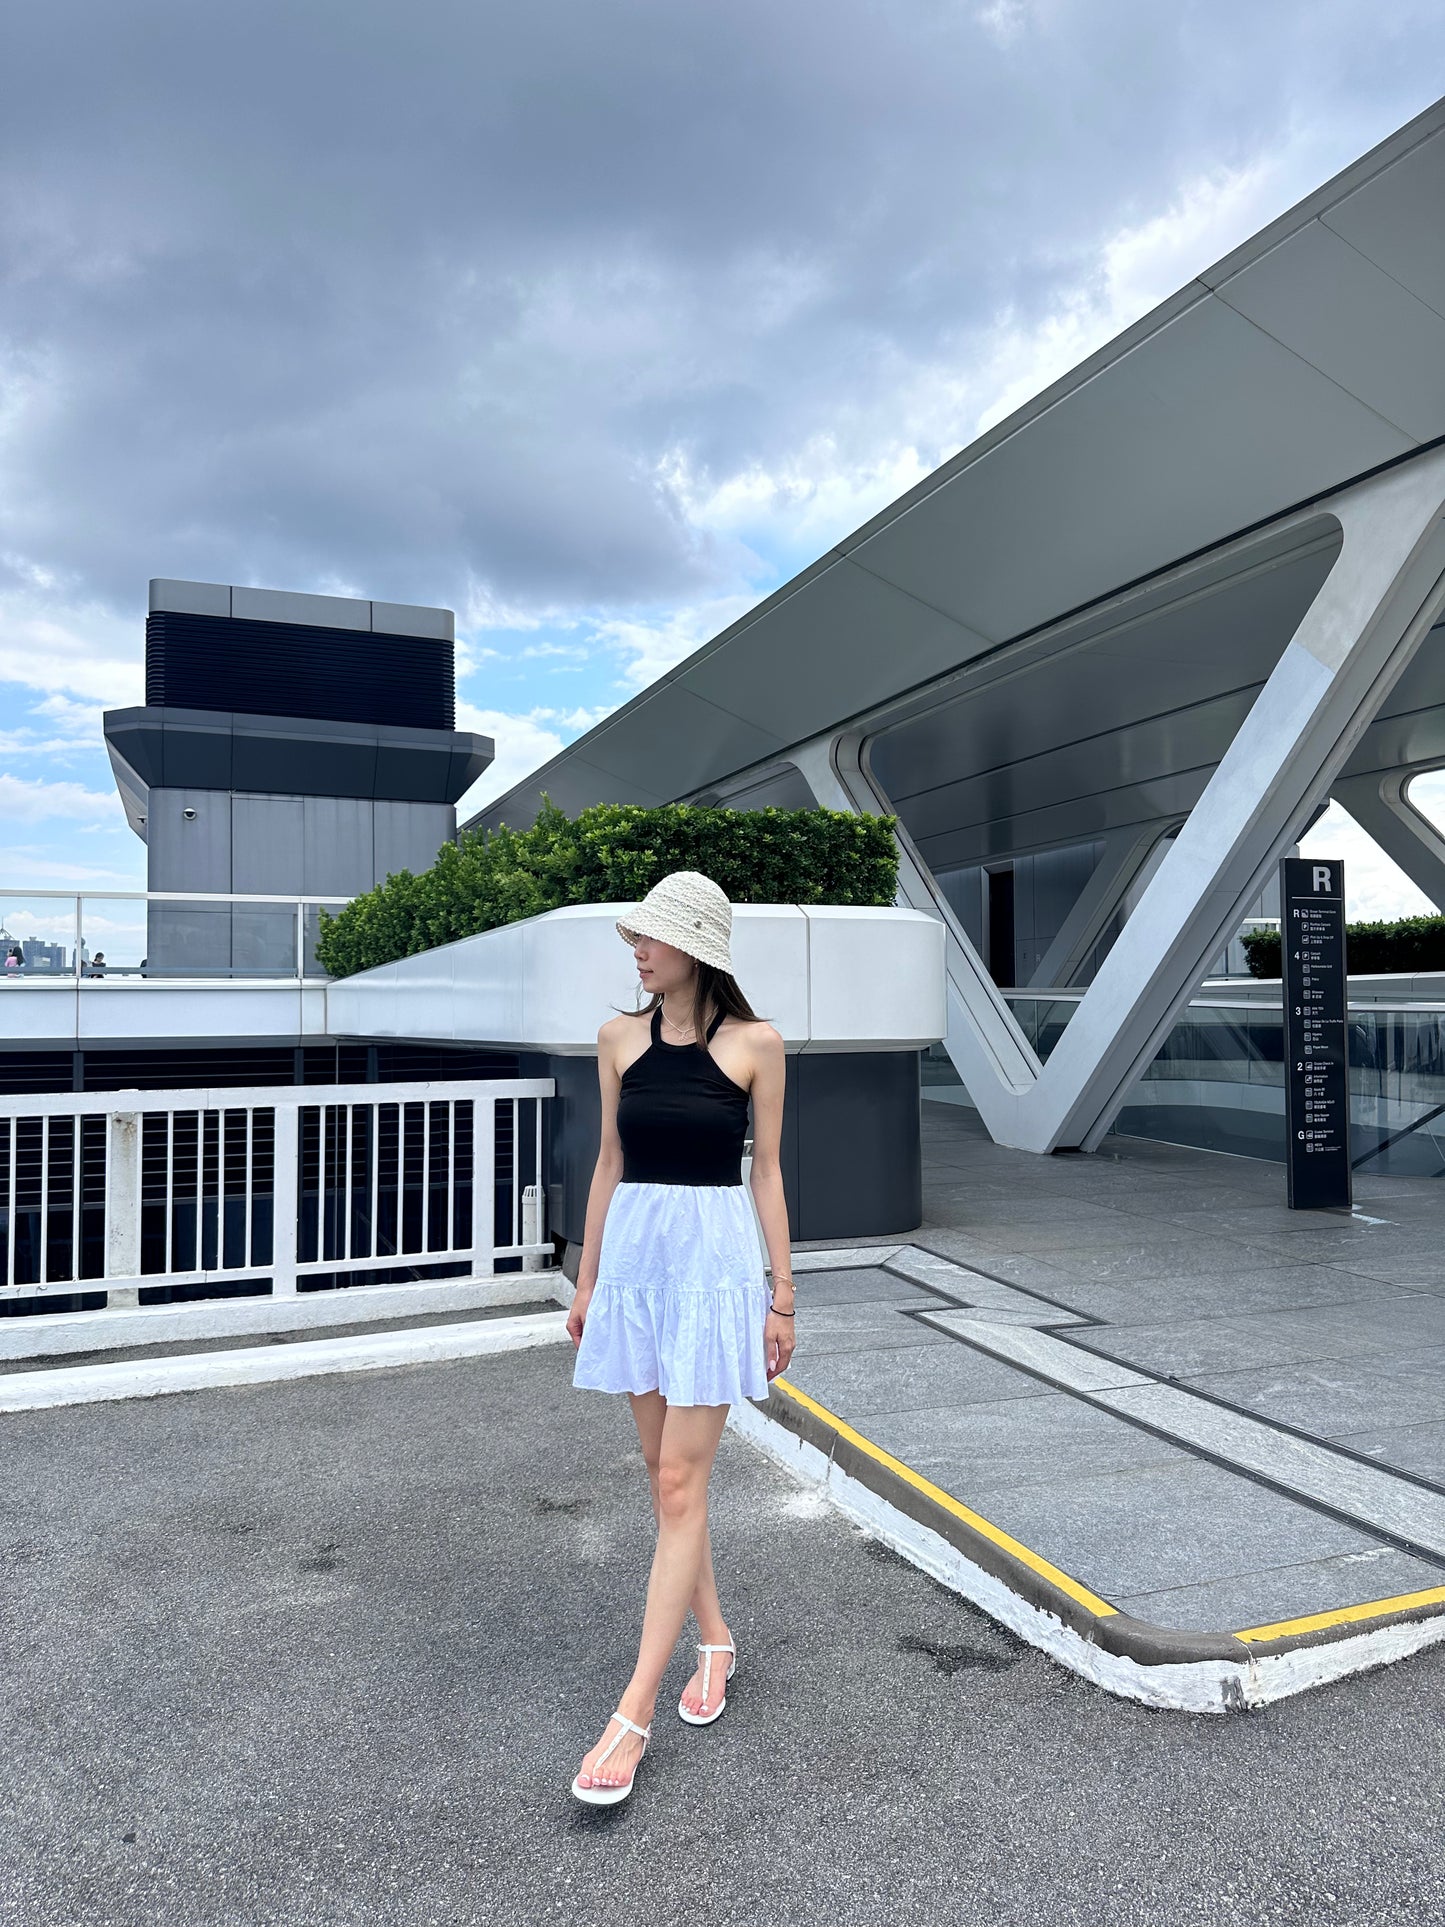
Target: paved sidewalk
{"x": 1218, "y": 1415}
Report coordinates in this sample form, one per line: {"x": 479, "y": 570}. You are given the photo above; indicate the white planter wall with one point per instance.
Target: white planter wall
{"x": 831, "y": 978}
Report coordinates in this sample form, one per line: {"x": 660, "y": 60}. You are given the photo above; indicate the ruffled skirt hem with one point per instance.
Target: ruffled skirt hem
{"x": 680, "y": 1299}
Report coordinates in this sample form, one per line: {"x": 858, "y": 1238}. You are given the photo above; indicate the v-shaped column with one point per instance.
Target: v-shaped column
{"x": 1372, "y": 611}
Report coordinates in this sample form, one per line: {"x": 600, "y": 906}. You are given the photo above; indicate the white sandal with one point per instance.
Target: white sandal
{"x": 608, "y": 1796}
{"x": 706, "y": 1719}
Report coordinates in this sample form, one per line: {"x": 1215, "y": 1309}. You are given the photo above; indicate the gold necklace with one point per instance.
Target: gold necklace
{"x": 679, "y": 1028}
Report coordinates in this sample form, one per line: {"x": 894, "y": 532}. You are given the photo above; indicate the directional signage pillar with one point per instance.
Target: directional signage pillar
{"x": 1316, "y": 1032}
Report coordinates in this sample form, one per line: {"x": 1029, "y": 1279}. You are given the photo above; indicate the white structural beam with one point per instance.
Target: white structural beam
{"x": 1368, "y": 618}
{"x": 981, "y": 1034}
{"x": 1378, "y": 602}
{"x": 1379, "y": 805}
{"x": 1124, "y": 855}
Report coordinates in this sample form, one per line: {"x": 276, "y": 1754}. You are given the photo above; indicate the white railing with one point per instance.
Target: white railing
{"x": 126, "y": 1190}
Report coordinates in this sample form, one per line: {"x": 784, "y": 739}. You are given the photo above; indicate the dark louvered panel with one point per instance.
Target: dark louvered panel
{"x": 292, "y": 669}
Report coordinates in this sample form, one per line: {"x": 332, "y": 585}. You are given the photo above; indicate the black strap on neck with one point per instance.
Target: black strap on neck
{"x": 657, "y": 1025}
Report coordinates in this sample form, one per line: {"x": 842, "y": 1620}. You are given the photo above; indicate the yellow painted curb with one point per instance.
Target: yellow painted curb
{"x": 1345, "y": 1615}
{"x": 1080, "y": 1594}
{"x": 1090, "y": 1601}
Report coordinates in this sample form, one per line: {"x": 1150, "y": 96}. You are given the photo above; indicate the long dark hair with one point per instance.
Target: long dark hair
{"x": 712, "y": 989}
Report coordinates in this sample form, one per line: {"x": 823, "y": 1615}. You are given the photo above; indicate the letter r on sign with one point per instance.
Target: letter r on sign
{"x": 1321, "y": 877}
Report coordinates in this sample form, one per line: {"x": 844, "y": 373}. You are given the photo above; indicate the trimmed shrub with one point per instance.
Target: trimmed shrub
{"x": 1371, "y": 949}
{"x": 611, "y": 853}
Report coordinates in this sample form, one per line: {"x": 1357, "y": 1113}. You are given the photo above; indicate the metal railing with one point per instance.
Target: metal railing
{"x": 187, "y": 1188}
{"x": 149, "y": 936}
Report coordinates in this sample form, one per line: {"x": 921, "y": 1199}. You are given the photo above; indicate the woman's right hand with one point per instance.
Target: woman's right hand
{"x": 577, "y": 1316}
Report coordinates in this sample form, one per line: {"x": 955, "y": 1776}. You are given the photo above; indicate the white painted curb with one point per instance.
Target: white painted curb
{"x": 263, "y": 1364}
{"x": 52, "y": 1334}
{"x": 1196, "y": 1686}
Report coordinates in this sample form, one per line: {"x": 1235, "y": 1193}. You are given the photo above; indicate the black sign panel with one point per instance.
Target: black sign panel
{"x": 1316, "y": 1082}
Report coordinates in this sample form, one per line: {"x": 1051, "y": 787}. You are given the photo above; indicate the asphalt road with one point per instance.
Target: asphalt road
{"x": 329, "y": 1652}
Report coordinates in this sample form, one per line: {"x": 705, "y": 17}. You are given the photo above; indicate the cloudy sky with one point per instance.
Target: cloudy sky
{"x": 592, "y": 319}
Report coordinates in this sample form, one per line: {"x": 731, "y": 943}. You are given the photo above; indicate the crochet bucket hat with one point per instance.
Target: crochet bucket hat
{"x": 690, "y": 912}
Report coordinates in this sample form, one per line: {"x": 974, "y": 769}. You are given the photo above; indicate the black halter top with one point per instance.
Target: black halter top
{"x": 681, "y": 1118}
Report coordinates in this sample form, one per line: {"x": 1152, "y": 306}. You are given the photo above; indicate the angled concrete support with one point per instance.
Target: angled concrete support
{"x": 1370, "y": 615}
{"x": 1125, "y": 853}
{"x": 1386, "y": 589}
{"x": 983, "y": 1039}
{"x": 1379, "y": 805}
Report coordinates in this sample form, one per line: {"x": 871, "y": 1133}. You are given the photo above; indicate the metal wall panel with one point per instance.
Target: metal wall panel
{"x": 1394, "y": 221}
{"x": 312, "y": 611}
{"x": 188, "y": 853}
{"x": 337, "y": 845}
{"x": 1350, "y": 320}
{"x": 846, "y": 642}
{"x": 407, "y": 836}
{"x": 193, "y": 598}
{"x": 267, "y": 844}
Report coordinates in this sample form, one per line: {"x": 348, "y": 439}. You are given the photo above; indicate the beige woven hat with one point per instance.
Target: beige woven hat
{"x": 690, "y": 912}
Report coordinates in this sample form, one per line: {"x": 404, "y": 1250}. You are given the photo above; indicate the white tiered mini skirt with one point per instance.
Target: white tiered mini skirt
{"x": 680, "y": 1298}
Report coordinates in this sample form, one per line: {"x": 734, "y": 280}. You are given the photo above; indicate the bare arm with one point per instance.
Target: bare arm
{"x": 767, "y": 1187}
{"x": 605, "y": 1178}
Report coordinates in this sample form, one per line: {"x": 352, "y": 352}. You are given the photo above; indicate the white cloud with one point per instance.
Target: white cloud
{"x": 1135, "y": 269}
{"x": 524, "y": 743}
{"x": 468, "y": 656}
{"x": 73, "y": 649}
{"x": 1427, "y": 795}
{"x": 571, "y": 651}
{"x": 579, "y": 718}
{"x": 44, "y": 868}
{"x": 1376, "y": 888}
{"x": 646, "y": 647}
{"x": 1003, "y": 20}
{"x": 36, "y": 802}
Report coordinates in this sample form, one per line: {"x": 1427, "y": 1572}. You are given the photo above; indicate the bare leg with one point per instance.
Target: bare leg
{"x": 690, "y": 1435}
{"x": 649, "y": 1409}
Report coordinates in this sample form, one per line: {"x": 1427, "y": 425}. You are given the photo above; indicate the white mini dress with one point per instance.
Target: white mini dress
{"x": 681, "y": 1296}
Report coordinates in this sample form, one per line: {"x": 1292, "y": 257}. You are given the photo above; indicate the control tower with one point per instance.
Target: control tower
{"x": 289, "y": 746}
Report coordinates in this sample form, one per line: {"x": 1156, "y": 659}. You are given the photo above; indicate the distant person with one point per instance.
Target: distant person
{"x": 672, "y": 1303}
{"x": 14, "y": 958}
{"x": 97, "y": 965}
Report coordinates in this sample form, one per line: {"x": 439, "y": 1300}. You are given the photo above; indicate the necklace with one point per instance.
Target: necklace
{"x": 681, "y": 1029}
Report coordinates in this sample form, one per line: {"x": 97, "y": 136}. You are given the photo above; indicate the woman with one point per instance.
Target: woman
{"x": 672, "y": 1306}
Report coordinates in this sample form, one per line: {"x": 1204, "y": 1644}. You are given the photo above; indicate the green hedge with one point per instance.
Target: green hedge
{"x": 1371, "y": 949}
{"x": 612, "y": 853}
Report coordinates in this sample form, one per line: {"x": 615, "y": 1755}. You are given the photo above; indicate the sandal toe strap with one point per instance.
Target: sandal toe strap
{"x": 628, "y": 1726}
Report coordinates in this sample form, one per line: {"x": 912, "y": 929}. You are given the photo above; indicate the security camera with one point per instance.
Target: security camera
{"x": 188, "y": 815}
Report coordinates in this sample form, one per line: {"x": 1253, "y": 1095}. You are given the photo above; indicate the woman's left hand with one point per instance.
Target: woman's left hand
{"x": 778, "y": 1343}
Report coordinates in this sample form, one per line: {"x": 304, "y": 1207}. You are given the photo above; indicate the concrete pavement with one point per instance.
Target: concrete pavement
{"x": 1214, "y": 1426}
{"x": 326, "y": 1651}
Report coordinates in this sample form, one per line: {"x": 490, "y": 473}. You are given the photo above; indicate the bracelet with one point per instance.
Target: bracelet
{"x": 781, "y": 1314}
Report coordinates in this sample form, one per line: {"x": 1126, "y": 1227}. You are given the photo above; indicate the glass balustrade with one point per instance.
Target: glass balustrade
{"x": 38, "y": 934}
{"x": 1217, "y": 1082}
{"x": 94, "y": 937}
